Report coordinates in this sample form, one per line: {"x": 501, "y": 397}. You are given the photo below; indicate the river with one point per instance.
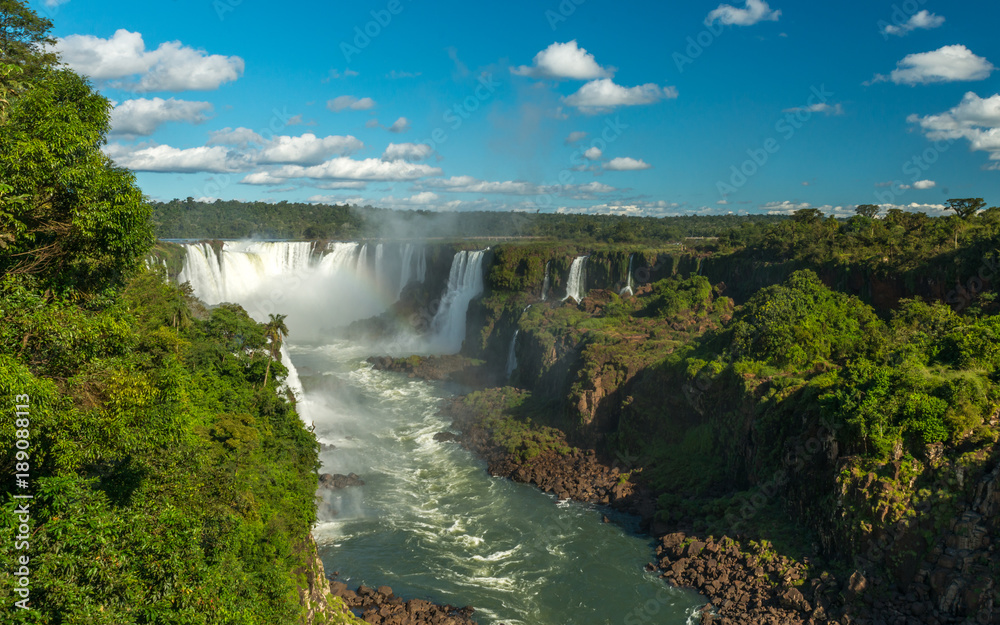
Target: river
{"x": 430, "y": 522}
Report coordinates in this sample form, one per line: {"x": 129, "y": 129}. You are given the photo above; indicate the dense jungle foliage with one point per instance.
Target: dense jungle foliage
{"x": 171, "y": 479}
{"x": 231, "y": 219}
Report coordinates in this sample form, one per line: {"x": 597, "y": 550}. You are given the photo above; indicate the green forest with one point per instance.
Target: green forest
{"x": 171, "y": 480}
{"x": 222, "y": 219}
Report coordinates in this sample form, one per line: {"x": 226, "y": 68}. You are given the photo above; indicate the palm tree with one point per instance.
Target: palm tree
{"x": 275, "y": 332}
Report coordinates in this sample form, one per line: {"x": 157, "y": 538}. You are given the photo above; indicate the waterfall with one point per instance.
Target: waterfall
{"x": 379, "y": 262}
{"x": 422, "y": 266}
{"x": 338, "y": 257}
{"x": 576, "y": 283}
{"x": 404, "y": 270}
{"x": 545, "y": 283}
{"x": 362, "y": 265}
{"x": 241, "y": 267}
{"x": 628, "y": 289}
{"x": 293, "y": 383}
{"x": 511, "y": 356}
{"x": 465, "y": 282}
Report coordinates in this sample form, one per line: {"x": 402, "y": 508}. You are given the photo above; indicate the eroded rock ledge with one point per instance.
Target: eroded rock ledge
{"x": 380, "y": 606}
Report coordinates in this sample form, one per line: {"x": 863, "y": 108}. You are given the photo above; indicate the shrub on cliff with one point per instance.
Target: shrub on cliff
{"x": 801, "y": 321}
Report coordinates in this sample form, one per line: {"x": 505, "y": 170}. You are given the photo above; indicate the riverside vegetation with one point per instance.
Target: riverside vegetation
{"x": 172, "y": 481}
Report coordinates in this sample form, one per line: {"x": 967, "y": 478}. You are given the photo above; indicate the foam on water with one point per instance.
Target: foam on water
{"x": 429, "y": 521}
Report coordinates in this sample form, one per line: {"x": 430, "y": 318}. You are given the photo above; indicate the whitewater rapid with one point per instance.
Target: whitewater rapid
{"x": 429, "y": 521}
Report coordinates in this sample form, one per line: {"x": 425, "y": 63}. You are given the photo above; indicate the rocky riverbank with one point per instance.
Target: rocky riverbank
{"x": 746, "y": 581}
{"x": 380, "y": 606}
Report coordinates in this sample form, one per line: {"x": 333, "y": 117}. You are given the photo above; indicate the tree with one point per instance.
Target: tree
{"x": 868, "y": 210}
{"x": 967, "y": 207}
{"x": 24, "y": 38}
{"x": 808, "y": 215}
{"x": 67, "y": 214}
{"x": 275, "y": 332}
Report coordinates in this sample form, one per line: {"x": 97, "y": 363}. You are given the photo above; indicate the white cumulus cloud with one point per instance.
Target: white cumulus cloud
{"x": 344, "y": 168}
{"x": 351, "y": 102}
{"x": 602, "y": 94}
{"x": 407, "y": 152}
{"x": 975, "y": 119}
{"x": 307, "y": 149}
{"x": 564, "y": 60}
{"x": 400, "y": 125}
{"x": 924, "y": 19}
{"x": 593, "y": 153}
{"x": 625, "y": 163}
{"x": 165, "y": 158}
{"x": 819, "y": 107}
{"x": 946, "y": 64}
{"x": 238, "y": 137}
{"x": 753, "y": 11}
{"x": 124, "y": 62}
{"x": 141, "y": 116}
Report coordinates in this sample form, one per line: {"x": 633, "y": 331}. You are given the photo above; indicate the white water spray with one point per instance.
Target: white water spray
{"x": 465, "y": 282}
{"x": 545, "y": 283}
{"x": 575, "y": 284}
{"x": 628, "y": 289}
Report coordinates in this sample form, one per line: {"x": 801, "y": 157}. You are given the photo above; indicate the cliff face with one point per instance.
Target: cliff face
{"x": 320, "y": 605}
{"x": 732, "y": 452}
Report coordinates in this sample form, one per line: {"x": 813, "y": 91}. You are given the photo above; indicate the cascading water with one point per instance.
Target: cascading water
{"x": 575, "y": 284}
{"x": 380, "y": 279}
{"x": 545, "y": 283}
{"x": 330, "y": 289}
{"x": 404, "y": 270}
{"x": 422, "y": 266}
{"x": 465, "y": 282}
{"x": 628, "y": 288}
{"x": 430, "y": 522}
{"x": 511, "y": 355}
{"x": 240, "y": 268}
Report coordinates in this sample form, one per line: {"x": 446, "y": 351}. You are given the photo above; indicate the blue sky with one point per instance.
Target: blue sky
{"x": 644, "y": 108}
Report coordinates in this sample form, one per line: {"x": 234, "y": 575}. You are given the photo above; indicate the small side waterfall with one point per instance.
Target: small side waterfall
{"x": 465, "y": 282}
{"x": 511, "y": 356}
{"x": 380, "y": 277}
{"x": 422, "y": 266}
{"x": 404, "y": 270}
{"x": 576, "y": 283}
{"x": 545, "y": 283}
{"x": 628, "y": 289}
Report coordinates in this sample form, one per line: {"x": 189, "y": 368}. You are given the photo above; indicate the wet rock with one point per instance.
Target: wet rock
{"x": 338, "y": 481}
